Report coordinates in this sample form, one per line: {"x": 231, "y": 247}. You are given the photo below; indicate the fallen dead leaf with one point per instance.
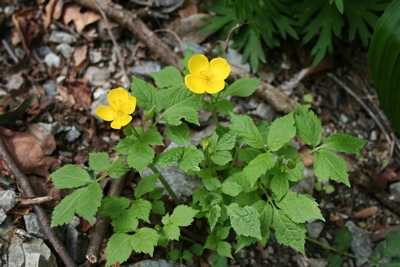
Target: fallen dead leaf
{"x": 26, "y": 152}
{"x": 187, "y": 10}
{"x": 72, "y": 12}
{"x": 48, "y": 14}
{"x": 26, "y": 27}
{"x": 367, "y": 212}
{"x": 81, "y": 92}
{"x": 45, "y": 188}
{"x": 382, "y": 231}
{"x": 308, "y": 160}
{"x": 43, "y": 137}
{"x": 80, "y": 56}
{"x": 187, "y": 28}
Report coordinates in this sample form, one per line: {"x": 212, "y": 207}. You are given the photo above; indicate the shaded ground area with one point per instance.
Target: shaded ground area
{"x": 62, "y": 51}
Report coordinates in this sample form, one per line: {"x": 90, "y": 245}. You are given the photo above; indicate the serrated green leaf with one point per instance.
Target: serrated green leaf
{"x": 259, "y": 166}
{"x": 308, "y": 126}
{"x": 282, "y": 130}
{"x": 334, "y": 260}
{"x": 211, "y": 242}
{"x": 191, "y": 159}
{"x": 265, "y": 210}
{"x": 144, "y": 240}
{"x": 244, "y": 220}
{"x": 186, "y": 255}
{"x": 242, "y": 87}
{"x": 210, "y": 205}
{"x": 118, "y": 248}
{"x": 168, "y": 77}
{"x": 169, "y": 157}
{"x": 211, "y": 184}
{"x": 70, "y": 176}
{"x": 221, "y": 157}
{"x": 142, "y": 209}
{"x": 328, "y": 165}
{"x": 222, "y": 232}
{"x": 179, "y": 134}
{"x": 158, "y": 207}
{"x": 174, "y": 254}
{"x": 231, "y": 188}
{"x": 113, "y": 206}
{"x": 176, "y": 113}
{"x": 392, "y": 245}
{"x": 224, "y": 249}
{"x": 146, "y": 185}
{"x": 246, "y": 130}
{"x": 184, "y": 62}
{"x": 180, "y": 96}
{"x": 126, "y": 222}
{"x": 244, "y": 241}
{"x": 343, "y": 143}
{"x": 171, "y": 231}
{"x": 227, "y": 142}
{"x": 288, "y": 232}
{"x": 89, "y": 201}
{"x": 343, "y": 239}
{"x": 224, "y": 106}
{"x": 84, "y": 201}
{"x": 279, "y": 186}
{"x": 125, "y": 145}
{"x": 145, "y": 94}
{"x": 117, "y": 169}
{"x": 140, "y": 156}
{"x": 99, "y": 161}
{"x": 246, "y": 155}
{"x": 152, "y": 137}
{"x": 294, "y": 205}
{"x": 183, "y": 215}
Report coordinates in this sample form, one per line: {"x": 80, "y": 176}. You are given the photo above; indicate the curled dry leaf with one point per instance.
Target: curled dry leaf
{"x": 25, "y": 151}
{"x": 43, "y": 137}
{"x": 81, "y": 92}
{"x": 367, "y": 212}
{"x": 73, "y": 13}
{"x": 26, "y": 27}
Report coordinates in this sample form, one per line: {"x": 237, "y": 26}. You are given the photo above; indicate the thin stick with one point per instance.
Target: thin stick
{"x": 34, "y": 201}
{"x": 120, "y": 58}
{"x": 359, "y": 100}
{"x": 10, "y": 52}
{"x": 102, "y": 225}
{"x": 23, "y": 183}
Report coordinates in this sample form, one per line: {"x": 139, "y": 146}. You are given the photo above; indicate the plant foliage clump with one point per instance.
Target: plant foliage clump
{"x": 266, "y": 22}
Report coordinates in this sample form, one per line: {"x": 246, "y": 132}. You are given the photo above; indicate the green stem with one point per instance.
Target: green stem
{"x": 326, "y": 246}
{"x": 165, "y": 184}
{"x": 213, "y": 111}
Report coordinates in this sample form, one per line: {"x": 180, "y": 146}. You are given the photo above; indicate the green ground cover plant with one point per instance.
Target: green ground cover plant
{"x": 264, "y": 23}
{"x": 246, "y": 169}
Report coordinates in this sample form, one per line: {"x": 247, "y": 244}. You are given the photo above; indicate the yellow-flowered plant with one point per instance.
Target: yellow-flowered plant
{"x": 207, "y": 76}
{"x": 120, "y": 106}
{"x": 245, "y": 186}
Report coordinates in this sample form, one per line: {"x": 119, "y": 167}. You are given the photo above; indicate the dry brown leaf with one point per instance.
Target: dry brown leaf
{"x": 308, "y": 160}
{"x": 187, "y": 28}
{"x": 43, "y": 137}
{"x": 26, "y": 152}
{"x": 189, "y": 9}
{"x": 26, "y": 27}
{"x": 64, "y": 96}
{"x": 81, "y": 92}
{"x": 73, "y": 13}
{"x": 367, "y": 212}
{"x": 382, "y": 230}
{"x": 58, "y": 8}
{"x": 48, "y": 15}
{"x": 45, "y": 188}
{"x": 80, "y": 56}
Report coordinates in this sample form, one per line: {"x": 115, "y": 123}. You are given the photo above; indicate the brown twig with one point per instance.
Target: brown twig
{"x": 102, "y": 225}
{"x": 120, "y": 58}
{"x": 34, "y": 201}
{"x": 372, "y": 114}
{"x": 24, "y": 184}
{"x": 10, "y": 52}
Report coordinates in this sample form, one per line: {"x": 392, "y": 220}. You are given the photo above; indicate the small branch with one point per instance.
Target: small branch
{"x": 102, "y": 225}
{"x": 10, "y": 52}
{"x": 23, "y": 183}
{"x": 34, "y": 201}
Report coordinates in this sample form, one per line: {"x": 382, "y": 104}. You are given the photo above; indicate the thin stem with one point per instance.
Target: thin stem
{"x": 165, "y": 184}
{"x": 213, "y": 111}
{"x": 327, "y": 246}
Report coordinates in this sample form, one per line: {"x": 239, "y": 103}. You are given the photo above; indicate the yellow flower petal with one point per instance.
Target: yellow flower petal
{"x": 105, "y": 113}
{"x": 220, "y": 68}
{"x": 117, "y": 94}
{"x": 198, "y": 64}
{"x": 195, "y": 84}
{"x": 120, "y": 121}
{"x": 215, "y": 86}
{"x": 130, "y": 105}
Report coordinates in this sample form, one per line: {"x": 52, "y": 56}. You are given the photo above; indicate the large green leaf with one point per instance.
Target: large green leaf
{"x": 384, "y": 62}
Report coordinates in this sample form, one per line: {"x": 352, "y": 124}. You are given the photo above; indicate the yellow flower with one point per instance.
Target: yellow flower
{"x": 207, "y": 76}
{"x": 120, "y": 106}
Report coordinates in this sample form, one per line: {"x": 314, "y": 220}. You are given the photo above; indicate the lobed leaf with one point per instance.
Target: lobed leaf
{"x": 246, "y": 130}
{"x": 99, "y": 161}
{"x": 117, "y": 169}
{"x": 328, "y": 165}
{"x": 191, "y": 159}
{"x": 343, "y": 143}
{"x": 70, "y": 176}
{"x": 244, "y": 220}
{"x": 259, "y": 166}
{"x": 183, "y": 215}
{"x": 242, "y": 87}
{"x": 113, "y": 206}
{"x": 308, "y": 126}
{"x": 178, "y": 134}
{"x": 146, "y": 185}
{"x": 168, "y": 77}
{"x": 140, "y": 156}
{"x": 281, "y": 131}
{"x": 144, "y": 240}
{"x": 145, "y": 94}
{"x": 118, "y": 248}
